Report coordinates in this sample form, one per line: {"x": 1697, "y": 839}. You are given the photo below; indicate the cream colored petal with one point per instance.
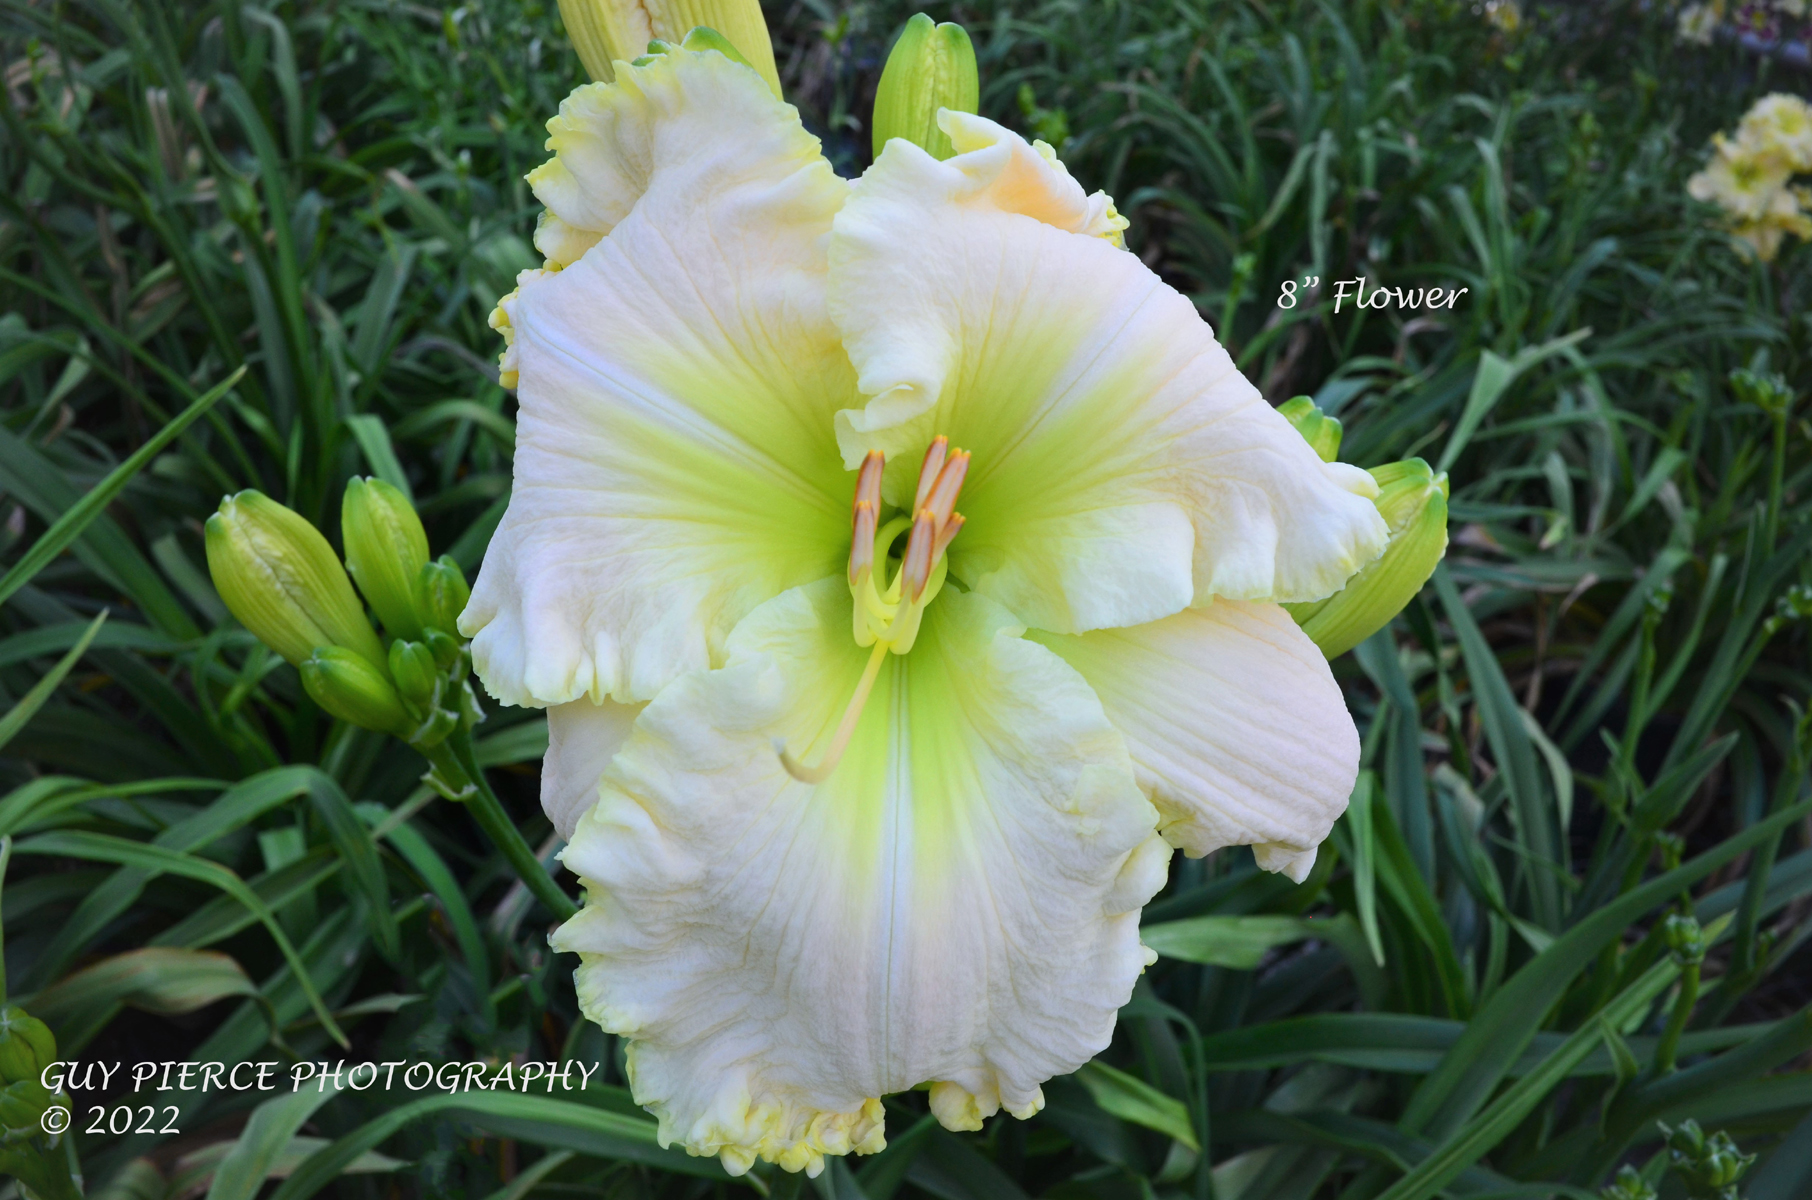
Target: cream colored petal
{"x": 675, "y": 465}
{"x": 581, "y": 738}
{"x": 1123, "y": 468}
{"x": 957, "y": 903}
{"x": 1238, "y": 731}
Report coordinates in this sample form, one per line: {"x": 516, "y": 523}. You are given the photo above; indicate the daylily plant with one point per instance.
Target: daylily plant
{"x": 900, "y": 563}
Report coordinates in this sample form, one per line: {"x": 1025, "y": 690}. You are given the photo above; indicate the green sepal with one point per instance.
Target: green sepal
{"x": 1319, "y": 430}
{"x": 931, "y": 66}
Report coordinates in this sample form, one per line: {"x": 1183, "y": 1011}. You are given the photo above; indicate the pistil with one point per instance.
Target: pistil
{"x": 888, "y": 617}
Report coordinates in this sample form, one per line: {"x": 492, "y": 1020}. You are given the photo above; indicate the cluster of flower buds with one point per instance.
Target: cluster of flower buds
{"x": 1412, "y": 499}
{"x": 1709, "y": 1166}
{"x": 1629, "y": 1185}
{"x": 1764, "y": 389}
{"x": 1685, "y": 940}
{"x": 282, "y": 580}
{"x": 26, "y": 1150}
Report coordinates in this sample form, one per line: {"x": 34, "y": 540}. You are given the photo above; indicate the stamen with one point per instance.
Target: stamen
{"x": 949, "y": 484}
{"x": 946, "y": 533}
{"x": 928, "y": 473}
{"x": 868, "y": 481}
{"x": 846, "y": 728}
{"x": 862, "y": 543}
{"x": 915, "y": 567}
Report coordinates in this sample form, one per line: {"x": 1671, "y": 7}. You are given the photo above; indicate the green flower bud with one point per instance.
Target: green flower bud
{"x": 22, "y": 1105}
{"x": 412, "y": 667}
{"x": 1766, "y": 390}
{"x": 445, "y": 647}
{"x": 279, "y": 576}
{"x": 605, "y": 32}
{"x": 26, "y": 1045}
{"x": 931, "y": 66}
{"x": 386, "y": 548}
{"x": 353, "y": 690}
{"x": 1319, "y": 430}
{"x": 1629, "y": 1185}
{"x": 1684, "y": 939}
{"x": 1413, "y": 502}
{"x": 441, "y": 594}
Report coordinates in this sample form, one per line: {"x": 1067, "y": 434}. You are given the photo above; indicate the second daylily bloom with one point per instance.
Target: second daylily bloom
{"x": 900, "y": 564}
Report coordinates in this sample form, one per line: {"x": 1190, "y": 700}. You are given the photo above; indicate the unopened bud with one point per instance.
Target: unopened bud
{"x": 1766, "y": 390}
{"x": 1413, "y": 502}
{"x": 279, "y": 576}
{"x": 26, "y": 1045}
{"x": 445, "y": 648}
{"x": 1629, "y": 1185}
{"x": 353, "y": 690}
{"x": 1319, "y": 430}
{"x": 1709, "y": 1166}
{"x": 606, "y": 32}
{"x": 386, "y": 547}
{"x": 22, "y": 1106}
{"x": 932, "y": 66}
{"x": 413, "y": 670}
{"x": 1684, "y": 939}
{"x": 441, "y": 594}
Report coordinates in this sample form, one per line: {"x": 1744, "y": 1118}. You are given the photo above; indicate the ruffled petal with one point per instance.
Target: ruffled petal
{"x": 581, "y": 738}
{"x": 1235, "y": 725}
{"x": 957, "y": 903}
{"x": 675, "y": 465}
{"x": 1123, "y": 468}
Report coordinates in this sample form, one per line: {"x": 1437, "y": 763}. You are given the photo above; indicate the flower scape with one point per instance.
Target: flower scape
{"x": 901, "y": 564}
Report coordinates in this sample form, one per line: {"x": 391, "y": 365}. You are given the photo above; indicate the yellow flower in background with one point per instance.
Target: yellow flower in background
{"x": 1779, "y": 126}
{"x": 1750, "y": 176}
{"x": 866, "y": 791}
{"x": 1698, "y": 22}
{"x": 1740, "y": 180}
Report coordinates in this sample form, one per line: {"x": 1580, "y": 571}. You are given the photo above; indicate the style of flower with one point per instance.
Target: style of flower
{"x": 899, "y": 563}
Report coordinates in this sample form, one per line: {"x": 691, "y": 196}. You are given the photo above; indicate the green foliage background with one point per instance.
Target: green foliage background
{"x": 1602, "y": 682}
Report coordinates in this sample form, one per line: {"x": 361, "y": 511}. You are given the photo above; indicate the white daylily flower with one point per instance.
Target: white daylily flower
{"x": 949, "y": 892}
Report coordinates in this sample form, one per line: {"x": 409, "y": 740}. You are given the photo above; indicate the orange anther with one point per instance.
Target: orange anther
{"x": 868, "y": 481}
{"x": 942, "y": 500}
{"x": 915, "y": 567}
{"x": 862, "y": 542}
{"x": 946, "y": 533}
{"x": 928, "y": 472}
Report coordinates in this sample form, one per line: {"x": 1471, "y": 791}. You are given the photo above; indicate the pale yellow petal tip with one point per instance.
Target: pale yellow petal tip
{"x": 962, "y": 1111}
{"x": 793, "y": 1137}
{"x": 1291, "y": 861}
{"x": 1148, "y": 954}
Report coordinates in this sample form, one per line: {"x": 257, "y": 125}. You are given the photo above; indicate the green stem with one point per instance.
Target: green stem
{"x": 1776, "y": 476}
{"x": 487, "y": 810}
{"x": 1676, "y": 1023}
{"x": 6, "y": 854}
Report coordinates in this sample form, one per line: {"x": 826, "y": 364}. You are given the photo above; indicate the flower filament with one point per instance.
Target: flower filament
{"x": 887, "y": 617}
